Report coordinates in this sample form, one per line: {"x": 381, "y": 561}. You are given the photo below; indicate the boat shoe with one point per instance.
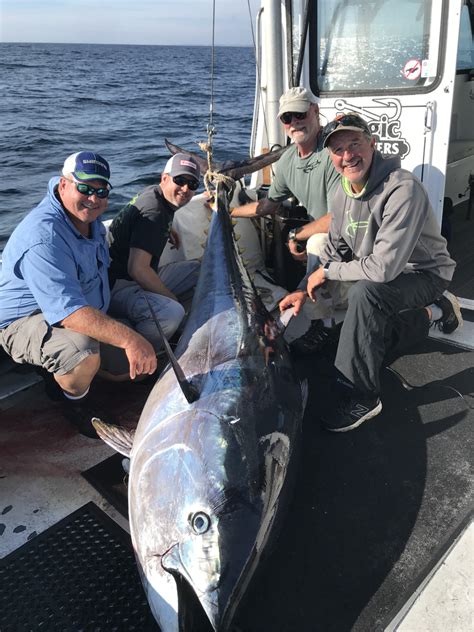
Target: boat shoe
{"x": 451, "y": 318}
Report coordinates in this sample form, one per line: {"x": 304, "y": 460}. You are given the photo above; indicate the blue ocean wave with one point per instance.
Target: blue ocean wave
{"x": 121, "y": 101}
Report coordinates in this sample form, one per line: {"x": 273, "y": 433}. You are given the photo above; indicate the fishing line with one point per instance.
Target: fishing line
{"x": 211, "y": 178}
{"x": 210, "y": 126}
{"x": 207, "y": 147}
{"x": 408, "y": 387}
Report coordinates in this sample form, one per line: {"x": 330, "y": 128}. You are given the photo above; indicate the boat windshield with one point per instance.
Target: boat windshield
{"x": 465, "y": 59}
{"x": 372, "y": 46}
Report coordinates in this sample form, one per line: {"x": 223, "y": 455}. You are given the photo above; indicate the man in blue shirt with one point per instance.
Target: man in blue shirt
{"x": 54, "y": 290}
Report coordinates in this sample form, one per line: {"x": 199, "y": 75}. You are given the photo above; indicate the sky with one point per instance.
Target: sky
{"x": 163, "y": 22}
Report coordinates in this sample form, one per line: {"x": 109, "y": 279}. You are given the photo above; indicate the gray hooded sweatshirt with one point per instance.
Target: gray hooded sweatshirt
{"x": 387, "y": 230}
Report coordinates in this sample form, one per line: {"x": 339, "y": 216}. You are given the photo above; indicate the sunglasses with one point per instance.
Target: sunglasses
{"x": 181, "y": 181}
{"x": 287, "y": 117}
{"x": 85, "y": 189}
{"x": 345, "y": 120}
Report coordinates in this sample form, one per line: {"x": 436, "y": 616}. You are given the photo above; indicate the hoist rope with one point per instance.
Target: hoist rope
{"x": 211, "y": 177}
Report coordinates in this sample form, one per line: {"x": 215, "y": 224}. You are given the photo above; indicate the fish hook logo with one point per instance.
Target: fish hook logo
{"x": 353, "y": 226}
{"x": 385, "y": 127}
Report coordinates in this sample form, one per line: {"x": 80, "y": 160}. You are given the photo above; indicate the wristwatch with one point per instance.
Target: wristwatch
{"x": 326, "y": 269}
{"x": 292, "y": 234}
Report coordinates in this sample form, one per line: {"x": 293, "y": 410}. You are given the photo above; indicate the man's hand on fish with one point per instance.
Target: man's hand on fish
{"x": 296, "y": 300}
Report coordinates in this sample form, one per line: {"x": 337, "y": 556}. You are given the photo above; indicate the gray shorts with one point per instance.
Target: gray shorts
{"x": 31, "y": 340}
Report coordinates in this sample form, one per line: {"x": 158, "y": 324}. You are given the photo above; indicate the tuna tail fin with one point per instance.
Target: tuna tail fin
{"x": 118, "y": 438}
{"x": 235, "y": 169}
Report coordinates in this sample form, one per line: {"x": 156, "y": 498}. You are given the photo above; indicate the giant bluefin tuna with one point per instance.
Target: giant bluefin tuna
{"x": 209, "y": 477}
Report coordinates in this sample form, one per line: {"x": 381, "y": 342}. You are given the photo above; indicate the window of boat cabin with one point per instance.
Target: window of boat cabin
{"x": 465, "y": 58}
{"x": 383, "y": 46}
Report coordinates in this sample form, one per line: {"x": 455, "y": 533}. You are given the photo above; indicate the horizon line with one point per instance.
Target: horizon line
{"x": 129, "y": 44}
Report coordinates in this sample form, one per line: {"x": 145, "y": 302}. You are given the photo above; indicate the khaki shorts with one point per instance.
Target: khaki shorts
{"x": 31, "y": 340}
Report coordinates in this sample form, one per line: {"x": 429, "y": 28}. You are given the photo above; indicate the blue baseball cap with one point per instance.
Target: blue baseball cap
{"x": 85, "y": 166}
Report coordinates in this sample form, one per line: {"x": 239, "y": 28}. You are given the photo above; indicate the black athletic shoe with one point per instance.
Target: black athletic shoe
{"x": 315, "y": 339}
{"x": 351, "y": 411}
{"x": 80, "y": 413}
{"x": 451, "y": 318}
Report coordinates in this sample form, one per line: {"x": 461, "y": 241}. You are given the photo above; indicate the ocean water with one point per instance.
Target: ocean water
{"x": 121, "y": 101}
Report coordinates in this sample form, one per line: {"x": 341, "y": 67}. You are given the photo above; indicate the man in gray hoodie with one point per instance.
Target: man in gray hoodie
{"x": 384, "y": 237}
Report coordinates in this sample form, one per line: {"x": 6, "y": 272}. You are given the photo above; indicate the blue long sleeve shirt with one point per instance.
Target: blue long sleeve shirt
{"x": 47, "y": 265}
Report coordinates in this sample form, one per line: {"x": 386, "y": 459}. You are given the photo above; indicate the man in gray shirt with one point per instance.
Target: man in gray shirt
{"x": 304, "y": 171}
{"x": 384, "y": 238}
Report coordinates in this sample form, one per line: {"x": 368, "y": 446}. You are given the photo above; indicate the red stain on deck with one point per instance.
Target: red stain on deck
{"x": 36, "y": 421}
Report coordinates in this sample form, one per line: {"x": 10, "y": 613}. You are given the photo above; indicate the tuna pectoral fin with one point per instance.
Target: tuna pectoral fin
{"x": 189, "y": 390}
{"x": 118, "y": 438}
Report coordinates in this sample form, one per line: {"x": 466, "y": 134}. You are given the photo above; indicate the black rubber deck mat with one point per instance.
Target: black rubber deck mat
{"x": 109, "y": 479}
{"x": 79, "y": 574}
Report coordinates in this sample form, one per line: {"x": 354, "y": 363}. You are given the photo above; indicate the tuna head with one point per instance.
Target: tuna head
{"x": 199, "y": 514}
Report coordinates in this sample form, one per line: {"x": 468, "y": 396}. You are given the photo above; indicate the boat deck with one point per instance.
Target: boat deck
{"x": 380, "y": 534}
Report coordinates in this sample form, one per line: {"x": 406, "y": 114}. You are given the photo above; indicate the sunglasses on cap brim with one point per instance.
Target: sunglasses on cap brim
{"x": 346, "y": 120}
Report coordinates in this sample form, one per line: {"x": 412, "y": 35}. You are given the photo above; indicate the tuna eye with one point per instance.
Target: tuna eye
{"x": 200, "y": 522}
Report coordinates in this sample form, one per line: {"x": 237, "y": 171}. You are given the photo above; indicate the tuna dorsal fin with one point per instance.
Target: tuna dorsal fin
{"x": 235, "y": 169}
{"x": 118, "y": 438}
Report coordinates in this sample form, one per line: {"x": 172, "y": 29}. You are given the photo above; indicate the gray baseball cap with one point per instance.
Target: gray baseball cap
{"x": 182, "y": 165}
{"x": 296, "y": 100}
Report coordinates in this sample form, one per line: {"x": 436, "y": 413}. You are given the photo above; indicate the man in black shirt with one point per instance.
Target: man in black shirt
{"x": 137, "y": 238}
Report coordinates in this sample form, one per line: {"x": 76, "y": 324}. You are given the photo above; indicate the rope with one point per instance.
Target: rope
{"x": 211, "y": 178}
